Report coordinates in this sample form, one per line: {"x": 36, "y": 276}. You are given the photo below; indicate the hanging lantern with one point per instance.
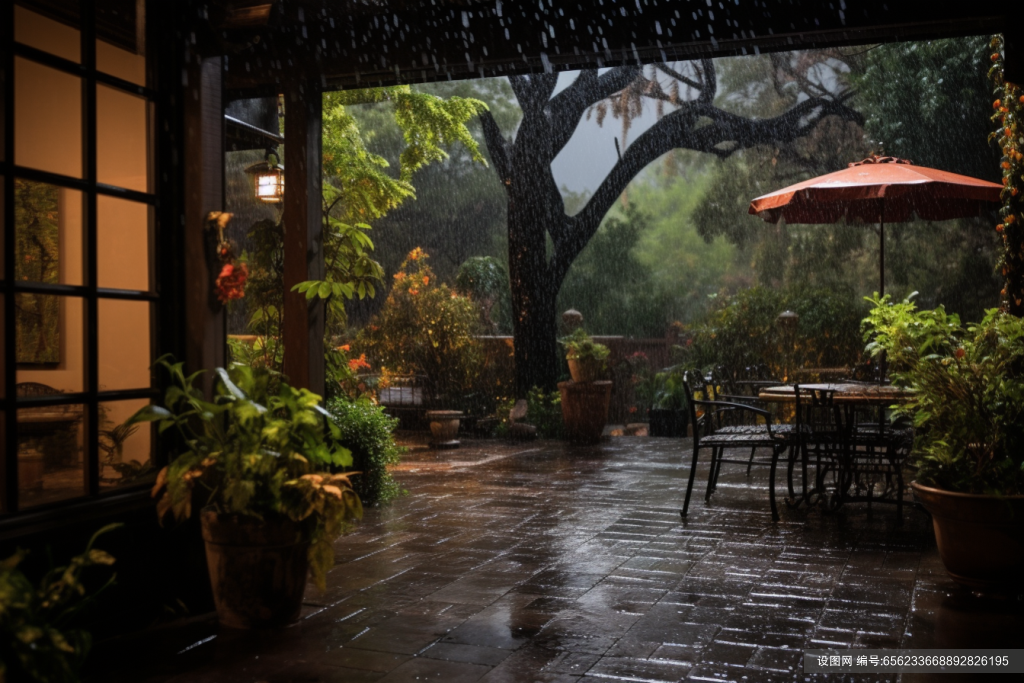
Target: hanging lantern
{"x": 268, "y": 179}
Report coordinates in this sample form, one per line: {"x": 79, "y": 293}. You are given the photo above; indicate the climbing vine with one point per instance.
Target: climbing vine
{"x": 1009, "y": 134}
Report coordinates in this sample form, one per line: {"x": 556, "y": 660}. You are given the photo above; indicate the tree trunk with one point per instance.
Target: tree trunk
{"x": 533, "y": 284}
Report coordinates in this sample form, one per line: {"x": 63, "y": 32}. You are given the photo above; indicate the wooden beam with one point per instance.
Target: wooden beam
{"x": 303, "y": 235}
{"x": 205, "y": 339}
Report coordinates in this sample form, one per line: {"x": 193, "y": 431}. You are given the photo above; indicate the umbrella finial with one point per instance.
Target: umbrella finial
{"x": 880, "y": 159}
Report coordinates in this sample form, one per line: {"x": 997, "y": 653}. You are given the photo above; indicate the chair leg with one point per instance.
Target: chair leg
{"x": 712, "y": 474}
{"x": 771, "y": 484}
{"x": 718, "y": 468}
{"x": 894, "y": 464}
{"x": 790, "y": 462}
{"x": 689, "y": 484}
{"x": 750, "y": 463}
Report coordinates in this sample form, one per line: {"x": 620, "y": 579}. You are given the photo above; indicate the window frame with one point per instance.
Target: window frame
{"x": 89, "y": 292}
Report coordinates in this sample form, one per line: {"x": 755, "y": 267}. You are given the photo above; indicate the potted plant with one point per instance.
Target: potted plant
{"x": 256, "y": 460}
{"x": 585, "y": 400}
{"x": 668, "y": 413}
{"x": 968, "y": 414}
{"x": 587, "y": 359}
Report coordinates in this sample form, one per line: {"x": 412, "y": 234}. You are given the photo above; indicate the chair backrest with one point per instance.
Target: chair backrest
{"x": 722, "y": 378}
{"x": 698, "y": 389}
{"x": 818, "y": 416}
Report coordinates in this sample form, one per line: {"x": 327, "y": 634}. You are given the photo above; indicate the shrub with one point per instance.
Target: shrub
{"x": 366, "y": 430}
{"x": 543, "y": 411}
{"x": 425, "y": 328}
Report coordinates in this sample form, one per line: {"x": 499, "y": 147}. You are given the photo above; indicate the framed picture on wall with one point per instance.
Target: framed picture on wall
{"x": 37, "y": 259}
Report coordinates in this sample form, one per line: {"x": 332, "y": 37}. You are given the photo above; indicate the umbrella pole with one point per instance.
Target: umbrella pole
{"x": 881, "y": 287}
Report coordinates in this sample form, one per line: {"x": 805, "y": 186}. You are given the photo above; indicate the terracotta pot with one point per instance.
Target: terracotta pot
{"x": 444, "y": 427}
{"x": 585, "y": 369}
{"x": 585, "y": 409}
{"x": 258, "y": 569}
{"x": 980, "y": 538}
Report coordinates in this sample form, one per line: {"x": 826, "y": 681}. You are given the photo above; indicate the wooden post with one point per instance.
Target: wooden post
{"x": 303, "y": 236}
{"x": 205, "y": 340}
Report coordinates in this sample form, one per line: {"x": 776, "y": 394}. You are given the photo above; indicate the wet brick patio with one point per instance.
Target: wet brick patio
{"x": 545, "y": 562}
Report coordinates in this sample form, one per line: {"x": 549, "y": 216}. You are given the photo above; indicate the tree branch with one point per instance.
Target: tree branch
{"x": 568, "y": 106}
{"x": 534, "y": 91}
{"x": 676, "y": 130}
{"x": 669, "y": 71}
{"x": 497, "y": 146}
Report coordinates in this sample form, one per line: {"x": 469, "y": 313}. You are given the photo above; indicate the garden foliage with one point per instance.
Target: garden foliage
{"x": 41, "y": 635}
{"x": 366, "y": 430}
{"x": 967, "y": 387}
{"x": 425, "y": 328}
{"x": 742, "y": 331}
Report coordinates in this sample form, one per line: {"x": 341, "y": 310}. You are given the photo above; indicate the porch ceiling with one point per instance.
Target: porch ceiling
{"x": 347, "y": 43}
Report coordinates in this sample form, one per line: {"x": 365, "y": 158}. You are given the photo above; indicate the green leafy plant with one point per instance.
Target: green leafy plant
{"x": 669, "y": 390}
{"x": 260, "y": 449}
{"x": 967, "y": 388}
{"x": 367, "y": 431}
{"x": 581, "y": 346}
{"x": 41, "y": 637}
{"x": 543, "y": 411}
{"x": 425, "y": 328}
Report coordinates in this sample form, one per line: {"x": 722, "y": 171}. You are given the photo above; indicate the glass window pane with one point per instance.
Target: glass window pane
{"x": 47, "y": 119}
{"x": 123, "y": 238}
{"x": 49, "y": 337}
{"x": 122, "y": 139}
{"x": 124, "y": 451}
{"x": 48, "y": 233}
{"x": 124, "y": 344}
{"x": 50, "y": 456}
{"x": 56, "y": 35}
{"x": 121, "y": 39}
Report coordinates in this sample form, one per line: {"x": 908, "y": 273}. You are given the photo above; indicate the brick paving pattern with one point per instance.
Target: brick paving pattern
{"x": 557, "y": 564}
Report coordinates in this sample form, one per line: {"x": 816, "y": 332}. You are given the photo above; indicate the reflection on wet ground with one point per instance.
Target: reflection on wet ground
{"x": 545, "y": 562}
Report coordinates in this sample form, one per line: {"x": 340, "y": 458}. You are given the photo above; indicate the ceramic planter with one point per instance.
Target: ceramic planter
{"x": 980, "y": 538}
{"x": 585, "y": 409}
{"x": 585, "y": 369}
{"x": 444, "y": 427}
{"x": 258, "y": 569}
{"x": 666, "y": 422}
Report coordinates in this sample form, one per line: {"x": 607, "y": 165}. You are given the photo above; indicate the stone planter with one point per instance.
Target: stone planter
{"x": 585, "y": 409}
{"x": 444, "y": 427}
{"x": 980, "y": 538}
{"x": 258, "y": 569}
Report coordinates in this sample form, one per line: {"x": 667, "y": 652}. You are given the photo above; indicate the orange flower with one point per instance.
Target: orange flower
{"x": 999, "y": 228}
{"x": 995, "y": 56}
{"x": 426, "y": 280}
{"x": 357, "y": 364}
{"x": 399, "y": 276}
{"x": 414, "y": 292}
{"x": 345, "y": 347}
{"x": 995, "y": 105}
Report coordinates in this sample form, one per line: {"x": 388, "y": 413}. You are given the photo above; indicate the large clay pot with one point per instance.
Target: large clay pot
{"x": 258, "y": 569}
{"x": 444, "y": 427}
{"x": 585, "y": 409}
{"x": 585, "y": 369}
{"x": 980, "y": 538}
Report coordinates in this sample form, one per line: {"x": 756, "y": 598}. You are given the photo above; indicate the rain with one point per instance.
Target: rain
{"x": 489, "y": 341}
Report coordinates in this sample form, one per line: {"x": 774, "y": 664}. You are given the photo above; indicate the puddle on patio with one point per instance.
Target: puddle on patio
{"x": 545, "y": 562}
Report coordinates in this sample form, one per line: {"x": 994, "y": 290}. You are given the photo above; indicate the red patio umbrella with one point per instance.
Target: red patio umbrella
{"x": 876, "y": 190}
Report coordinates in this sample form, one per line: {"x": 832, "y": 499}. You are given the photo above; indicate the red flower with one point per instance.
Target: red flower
{"x": 230, "y": 284}
{"x": 960, "y": 353}
{"x": 356, "y": 364}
